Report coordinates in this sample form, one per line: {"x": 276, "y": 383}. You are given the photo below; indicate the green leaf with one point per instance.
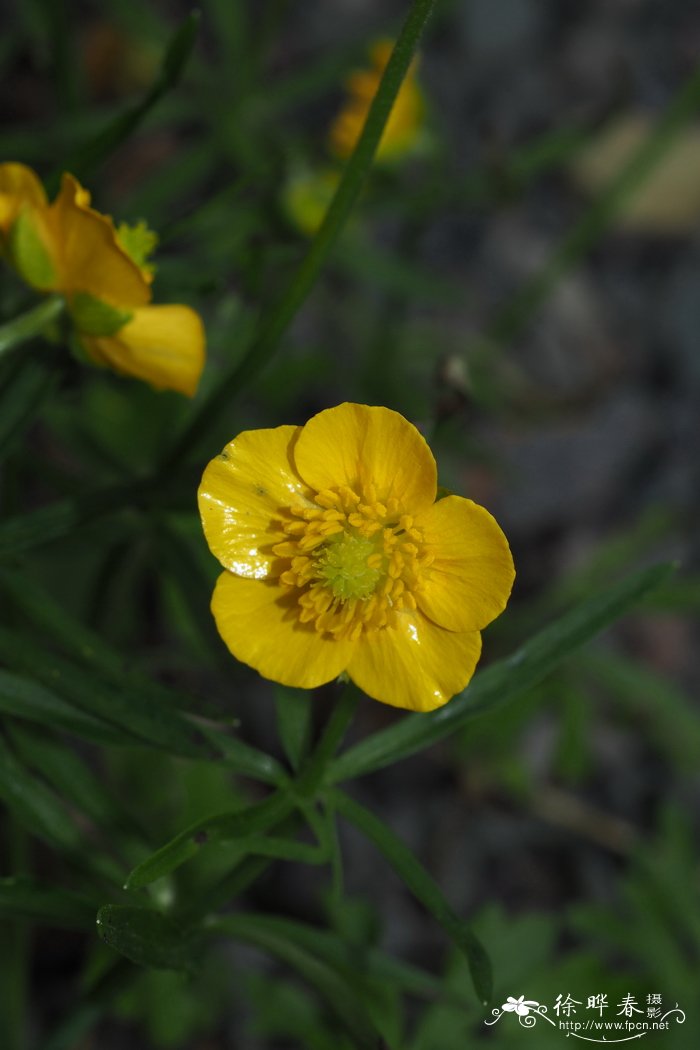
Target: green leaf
{"x": 294, "y": 709}
{"x": 24, "y": 698}
{"x": 59, "y": 519}
{"x": 358, "y": 963}
{"x": 423, "y": 887}
{"x": 35, "y": 806}
{"x": 141, "y": 716}
{"x": 332, "y": 985}
{"x": 44, "y": 612}
{"x": 503, "y": 681}
{"x": 226, "y": 827}
{"x": 26, "y": 899}
{"x": 89, "y": 648}
{"x": 70, "y": 777}
{"x": 145, "y": 936}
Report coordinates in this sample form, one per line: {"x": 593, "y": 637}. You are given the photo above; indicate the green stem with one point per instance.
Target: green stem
{"x": 354, "y": 176}
{"x": 333, "y": 732}
{"x": 31, "y": 324}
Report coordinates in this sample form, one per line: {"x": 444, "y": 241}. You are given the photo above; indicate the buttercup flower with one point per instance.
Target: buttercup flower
{"x": 69, "y": 248}
{"x": 338, "y": 558}
{"x": 403, "y": 130}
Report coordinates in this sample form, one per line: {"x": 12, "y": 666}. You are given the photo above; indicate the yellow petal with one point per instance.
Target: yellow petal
{"x": 18, "y": 185}
{"x": 92, "y": 259}
{"x": 163, "y": 345}
{"x": 358, "y": 445}
{"x": 241, "y": 495}
{"x": 416, "y": 665}
{"x": 469, "y": 583}
{"x": 259, "y": 624}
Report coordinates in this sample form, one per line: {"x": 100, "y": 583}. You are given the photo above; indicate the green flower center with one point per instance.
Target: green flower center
{"x": 343, "y": 566}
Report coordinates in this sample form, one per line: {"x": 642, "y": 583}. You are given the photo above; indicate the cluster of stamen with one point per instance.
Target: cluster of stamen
{"x": 353, "y": 561}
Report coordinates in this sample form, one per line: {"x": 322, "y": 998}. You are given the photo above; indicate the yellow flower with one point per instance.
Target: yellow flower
{"x": 69, "y": 248}
{"x": 306, "y": 196}
{"x": 403, "y": 132}
{"x": 338, "y": 558}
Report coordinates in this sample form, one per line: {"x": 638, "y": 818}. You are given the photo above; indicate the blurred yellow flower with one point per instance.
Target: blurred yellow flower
{"x": 338, "y": 558}
{"x": 69, "y": 248}
{"x": 306, "y": 196}
{"x": 403, "y": 133}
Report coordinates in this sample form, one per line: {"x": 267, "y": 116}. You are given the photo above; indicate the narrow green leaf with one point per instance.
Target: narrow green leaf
{"x": 34, "y": 805}
{"x": 243, "y": 873}
{"x": 174, "y": 61}
{"x": 90, "y": 649}
{"x": 503, "y": 681}
{"x": 27, "y": 899}
{"x": 44, "y": 612}
{"x": 331, "y": 984}
{"x": 424, "y": 889}
{"x": 141, "y": 716}
{"x": 23, "y": 698}
{"x": 59, "y": 519}
{"x": 242, "y": 757}
{"x": 360, "y": 964}
{"x": 69, "y": 776}
{"x": 226, "y": 827}
{"x": 145, "y": 936}
{"x": 294, "y": 709}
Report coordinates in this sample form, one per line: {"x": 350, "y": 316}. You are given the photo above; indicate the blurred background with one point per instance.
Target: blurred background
{"x": 523, "y": 283}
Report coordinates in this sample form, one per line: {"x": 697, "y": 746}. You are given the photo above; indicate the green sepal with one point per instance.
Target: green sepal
{"x": 139, "y": 242}
{"x": 28, "y": 253}
{"x": 94, "y": 317}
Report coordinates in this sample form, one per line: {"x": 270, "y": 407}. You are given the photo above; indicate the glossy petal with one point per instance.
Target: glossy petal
{"x": 359, "y": 444}
{"x": 18, "y": 186}
{"x": 416, "y": 665}
{"x": 163, "y": 345}
{"x": 471, "y": 578}
{"x": 261, "y": 629}
{"x": 92, "y": 260}
{"x": 241, "y": 497}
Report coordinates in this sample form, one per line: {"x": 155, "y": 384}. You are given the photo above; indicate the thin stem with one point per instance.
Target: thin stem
{"x": 30, "y": 324}
{"x": 354, "y": 176}
{"x": 333, "y": 732}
